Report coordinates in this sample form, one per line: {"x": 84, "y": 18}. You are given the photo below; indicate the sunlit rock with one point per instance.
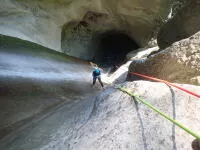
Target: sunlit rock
{"x": 141, "y": 53}
{"x": 177, "y": 63}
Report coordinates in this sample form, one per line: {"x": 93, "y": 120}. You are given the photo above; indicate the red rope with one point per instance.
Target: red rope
{"x": 166, "y": 82}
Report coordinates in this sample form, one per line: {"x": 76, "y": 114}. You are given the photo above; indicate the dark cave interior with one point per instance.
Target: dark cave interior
{"x": 112, "y": 48}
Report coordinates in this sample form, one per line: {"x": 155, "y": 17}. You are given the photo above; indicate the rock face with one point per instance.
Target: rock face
{"x": 177, "y": 5}
{"x": 177, "y": 63}
{"x": 113, "y": 120}
{"x": 184, "y": 24}
{"x": 34, "y": 80}
{"x": 141, "y": 53}
{"x": 77, "y": 38}
{"x": 43, "y": 22}
{"x": 118, "y": 122}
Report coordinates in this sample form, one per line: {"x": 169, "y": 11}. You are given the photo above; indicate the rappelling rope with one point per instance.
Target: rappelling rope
{"x": 159, "y": 112}
{"x": 166, "y": 82}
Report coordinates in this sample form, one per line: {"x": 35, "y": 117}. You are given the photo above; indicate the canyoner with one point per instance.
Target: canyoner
{"x": 96, "y": 74}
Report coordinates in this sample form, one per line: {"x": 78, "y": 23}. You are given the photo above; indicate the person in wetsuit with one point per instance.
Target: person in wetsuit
{"x": 97, "y": 75}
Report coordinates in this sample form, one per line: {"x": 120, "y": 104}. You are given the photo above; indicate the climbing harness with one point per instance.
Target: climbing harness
{"x": 197, "y": 136}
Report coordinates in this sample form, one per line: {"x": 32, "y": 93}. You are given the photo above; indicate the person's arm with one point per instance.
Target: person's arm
{"x": 93, "y": 74}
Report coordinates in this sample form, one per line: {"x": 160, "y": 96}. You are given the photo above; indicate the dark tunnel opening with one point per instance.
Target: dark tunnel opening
{"x": 112, "y": 48}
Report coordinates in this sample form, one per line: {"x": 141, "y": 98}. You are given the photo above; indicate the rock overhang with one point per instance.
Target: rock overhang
{"x": 72, "y": 25}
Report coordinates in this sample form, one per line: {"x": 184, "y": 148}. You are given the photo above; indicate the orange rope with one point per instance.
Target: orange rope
{"x": 166, "y": 82}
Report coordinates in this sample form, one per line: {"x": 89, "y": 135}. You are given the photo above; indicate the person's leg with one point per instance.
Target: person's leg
{"x": 94, "y": 80}
{"x": 99, "y": 78}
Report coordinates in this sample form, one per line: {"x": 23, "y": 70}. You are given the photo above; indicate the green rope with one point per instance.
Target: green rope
{"x": 161, "y": 113}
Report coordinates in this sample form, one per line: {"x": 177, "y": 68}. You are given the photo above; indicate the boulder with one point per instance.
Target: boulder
{"x": 178, "y": 63}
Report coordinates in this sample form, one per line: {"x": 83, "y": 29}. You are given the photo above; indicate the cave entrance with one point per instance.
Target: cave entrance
{"x": 112, "y": 48}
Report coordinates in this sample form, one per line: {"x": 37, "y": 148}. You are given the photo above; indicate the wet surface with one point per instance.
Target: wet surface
{"x": 34, "y": 84}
